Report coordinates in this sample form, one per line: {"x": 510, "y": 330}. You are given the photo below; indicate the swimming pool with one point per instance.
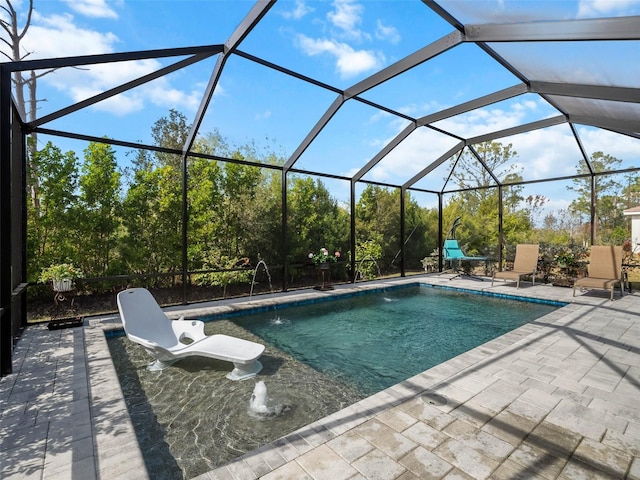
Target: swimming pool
{"x": 375, "y": 341}
{"x": 190, "y": 418}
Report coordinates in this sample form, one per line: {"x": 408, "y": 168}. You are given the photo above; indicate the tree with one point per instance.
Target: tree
{"x": 170, "y": 132}
{"x": 315, "y": 219}
{"x": 479, "y": 208}
{"x": 607, "y": 191}
{"x": 378, "y": 219}
{"x": 153, "y": 203}
{"x": 50, "y": 228}
{"x": 152, "y": 240}
{"x": 469, "y": 172}
{"x": 12, "y": 37}
{"x": 98, "y": 211}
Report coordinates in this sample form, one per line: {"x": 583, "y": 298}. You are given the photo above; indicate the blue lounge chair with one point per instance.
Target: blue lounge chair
{"x": 454, "y": 255}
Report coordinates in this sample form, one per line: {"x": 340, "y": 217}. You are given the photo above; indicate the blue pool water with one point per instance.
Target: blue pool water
{"x": 375, "y": 341}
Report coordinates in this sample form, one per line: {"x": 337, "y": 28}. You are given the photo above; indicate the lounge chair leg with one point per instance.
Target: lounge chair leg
{"x": 159, "y": 365}
{"x": 244, "y": 371}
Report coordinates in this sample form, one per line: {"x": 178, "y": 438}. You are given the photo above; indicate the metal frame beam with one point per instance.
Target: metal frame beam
{"x": 407, "y": 63}
{"x": 84, "y": 60}
{"x": 596, "y": 92}
{"x": 7, "y": 256}
{"x": 259, "y": 10}
{"x": 436, "y": 48}
{"x": 626, "y": 125}
{"x": 590, "y": 29}
{"x": 479, "y": 102}
{"x": 315, "y": 131}
{"x": 527, "y": 127}
{"x": 385, "y": 151}
{"x": 120, "y": 89}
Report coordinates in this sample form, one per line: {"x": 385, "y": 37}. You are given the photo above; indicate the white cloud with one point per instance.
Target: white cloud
{"x": 349, "y": 62}
{"x": 384, "y": 32}
{"x": 92, "y": 8}
{"x": 550, "y": 152}
{"x": 620, "y": 146}
{"x": 422, "y": 147}
{"x": 162, "y": 94}
{"x": 300, "y": 10}
{"x": 59, "y": 36}
{"x": 599, "y": 8}
{"x": 346, "y": 16}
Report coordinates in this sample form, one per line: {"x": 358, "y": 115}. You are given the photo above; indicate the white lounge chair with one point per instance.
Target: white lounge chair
{"x": 145, "y": 323}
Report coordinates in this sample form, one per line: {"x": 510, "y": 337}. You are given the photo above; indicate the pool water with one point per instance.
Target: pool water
{"x": 375, "y": 341}
{"x": 319, "y": 358}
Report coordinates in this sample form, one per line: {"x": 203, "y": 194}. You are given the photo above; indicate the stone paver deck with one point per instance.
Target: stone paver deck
{"x": 558, "y": 398}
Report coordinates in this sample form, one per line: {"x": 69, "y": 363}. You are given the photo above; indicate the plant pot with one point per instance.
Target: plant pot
{"x": 64, "y": 285}
{"x": 323, "y": 266}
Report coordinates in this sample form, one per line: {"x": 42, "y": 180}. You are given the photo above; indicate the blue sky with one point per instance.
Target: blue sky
{"x": 339, "y": 42}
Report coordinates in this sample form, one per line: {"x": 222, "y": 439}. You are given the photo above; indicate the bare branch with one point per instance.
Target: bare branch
{"x": 27, "y": 24}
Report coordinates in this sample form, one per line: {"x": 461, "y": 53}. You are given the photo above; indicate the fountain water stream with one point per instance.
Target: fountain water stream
{"x": 253, "y": 282}
{"x": 255, "y": 272}
{"x": 359, "y": 267}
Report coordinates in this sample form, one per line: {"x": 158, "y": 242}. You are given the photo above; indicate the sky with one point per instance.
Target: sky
{"x": 338, "y": 43}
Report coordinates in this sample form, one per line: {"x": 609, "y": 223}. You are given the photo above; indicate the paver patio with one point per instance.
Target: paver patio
{"x": 553, "y": 399}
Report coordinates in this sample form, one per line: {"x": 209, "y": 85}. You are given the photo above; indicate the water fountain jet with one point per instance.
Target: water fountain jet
{"x": 255, "y": 272}
{"x": 259, "y": 402}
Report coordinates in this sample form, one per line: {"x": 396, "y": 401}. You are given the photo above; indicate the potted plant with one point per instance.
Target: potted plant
{"x": 61, "y": 276}
{"x": 322, "y": 258}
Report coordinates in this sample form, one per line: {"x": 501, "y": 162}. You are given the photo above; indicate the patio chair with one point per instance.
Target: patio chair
{"x": 604, "y": 270}
{"x": 171, "y": 340}
{"x": 525, "y": 263}
{"x": 454, "y": 255}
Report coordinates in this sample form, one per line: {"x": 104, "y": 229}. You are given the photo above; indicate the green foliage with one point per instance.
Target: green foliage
{"x": 60, "y": 271}
{"x": 609, "y": 205}
{"x": 115, "y": 222}
{"x": 98, "y": 208}
{"x": 430, "y": 263}
{"x": 50, "y": 234}
{"x": 228, "y": 273}
{"x": 367, "y": 255}
{"x": 314, "y": 219}
{"x": 378, "y": 221}
{"x": 323, "y": 256}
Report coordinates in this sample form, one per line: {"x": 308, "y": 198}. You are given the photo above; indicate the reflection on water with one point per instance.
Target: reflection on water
{"x": 190, "y": 418}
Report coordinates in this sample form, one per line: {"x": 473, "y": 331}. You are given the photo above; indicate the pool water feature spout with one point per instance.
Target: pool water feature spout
{"x": 359, "y": 269}
{"x": 258, "y": 405}
{"x": 255, "y": 272}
